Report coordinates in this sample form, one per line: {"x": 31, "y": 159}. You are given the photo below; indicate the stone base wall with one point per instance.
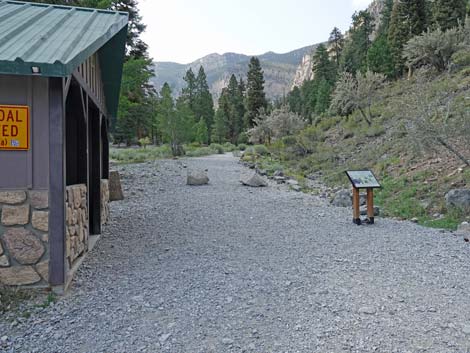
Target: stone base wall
{"x": 104, "y": 201}
{"x": 24, "y": 248}
{"x": 76, "y": 230}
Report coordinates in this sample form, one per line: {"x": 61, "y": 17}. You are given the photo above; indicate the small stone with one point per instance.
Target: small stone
{"x": 15, "y": 215}
{"x": 40, "y": 220}
{"x": 23, "y": 245}
{"x": 227, "y": 341}
{"x": 12, "y": 197}
{"x": 39, "y": 199}
{"x": 414, "y": 220}
{"x": 292, "y": 182}
{"x": 4, "y": 261}
{"x": 163, "y": 338}
{"x": 367, "y": 310}
{"x": 466, "y": 329}
{"x": 18, "y": 276}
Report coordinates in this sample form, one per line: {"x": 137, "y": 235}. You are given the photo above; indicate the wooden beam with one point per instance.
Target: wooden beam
{"x": 56, "y": 182}
{"x": 94, "y": 171}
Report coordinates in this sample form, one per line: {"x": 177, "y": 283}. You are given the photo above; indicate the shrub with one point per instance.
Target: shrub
{"x": 242, "y": 147}
{"x": 217, "y": 148}
{"x": 229, "y": 147}
{"x": 261, "y": 150}
{"x": 434, "y": 48}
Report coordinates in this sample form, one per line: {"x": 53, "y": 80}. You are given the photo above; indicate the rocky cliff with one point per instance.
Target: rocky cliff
{"x": 304, "y": 70}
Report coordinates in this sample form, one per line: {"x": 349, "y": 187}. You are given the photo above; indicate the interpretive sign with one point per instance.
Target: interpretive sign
{"x": 363, "y": 179}
{"x": 14, "y": 127}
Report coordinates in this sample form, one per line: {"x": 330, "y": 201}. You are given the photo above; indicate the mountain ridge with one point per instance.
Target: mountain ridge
{"x": 279, "y": 70}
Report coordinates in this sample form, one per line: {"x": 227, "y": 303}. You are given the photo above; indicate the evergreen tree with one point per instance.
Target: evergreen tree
{"x": 204, "y": 104}
{"x": 379, "y": 57}
{"x": 220, "y": 129}
{"x": 354, "y": 56}
{"x": 449, "y": 13}
{"x": 188, "y": 93}
{"x": 202, "y": 134}
{"x": 136, "y": 47}
{"x": 323, "y": 68}
{"x": 255, "y": 95}
{"x": 322, "y": 102}
{"x": 407, "y": 20}
{"x": 336, "y": 43}
{"x": 294, "y": 100}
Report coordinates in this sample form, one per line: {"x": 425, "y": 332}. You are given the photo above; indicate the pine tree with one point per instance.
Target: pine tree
{"x": 408, "y": 19}
{"x": 449, "y": 13}
{"x": 204, "y": 103}
{"x": 135, "y": 46}
{"x": 188, "y": 93}
{"x": 336, "y": 43}
{"x": 379, "y": 57}
{"x": 354, "y": 56}
{"x": 255, "y": 95}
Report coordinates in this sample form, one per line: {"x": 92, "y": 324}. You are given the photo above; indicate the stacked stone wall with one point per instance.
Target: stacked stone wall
{"x": 24, "y": 248}
{"x": 76, "y": 230}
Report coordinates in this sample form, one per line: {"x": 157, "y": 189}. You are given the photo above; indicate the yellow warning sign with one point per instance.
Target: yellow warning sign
{"x": 14, "y": 127}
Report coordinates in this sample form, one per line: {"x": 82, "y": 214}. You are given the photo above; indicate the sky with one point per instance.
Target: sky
{"x": 185, "y": 30}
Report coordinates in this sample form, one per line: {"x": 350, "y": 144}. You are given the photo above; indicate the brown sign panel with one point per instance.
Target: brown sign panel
{"x": 14, "y": 128}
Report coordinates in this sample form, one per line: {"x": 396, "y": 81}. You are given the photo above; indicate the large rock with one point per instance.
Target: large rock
{"x": 18, "y": 276}
{"x": 39, "y": 199}
{"x": 115, "y": 188}
{"x": 342, "y": 198}
{"x": 197, "y": 177}
{"x": 12, "y": 197}
{"x": 23, "y": 245}
{"x": 253, "y": 180}
{"x": 15, "y": 215}
{"x": 458, "y": 198}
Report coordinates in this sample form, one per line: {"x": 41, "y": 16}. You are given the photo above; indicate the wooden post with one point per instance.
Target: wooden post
{"x": 370, "y": 205}
{"x": 356, "y": 210}
{"x": 56, "y": 182}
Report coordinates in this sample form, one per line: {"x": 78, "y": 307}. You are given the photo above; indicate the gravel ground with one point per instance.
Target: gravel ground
{"x": 226, "y": 268}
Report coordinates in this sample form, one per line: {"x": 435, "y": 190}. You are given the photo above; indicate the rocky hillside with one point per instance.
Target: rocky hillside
{"x": 279, "y": 71}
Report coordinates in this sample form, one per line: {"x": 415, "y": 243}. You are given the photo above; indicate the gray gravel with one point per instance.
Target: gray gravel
{"x": 226, "y": 268}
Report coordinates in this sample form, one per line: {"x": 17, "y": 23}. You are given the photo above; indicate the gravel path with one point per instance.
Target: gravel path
{"x": 226, "y": 268}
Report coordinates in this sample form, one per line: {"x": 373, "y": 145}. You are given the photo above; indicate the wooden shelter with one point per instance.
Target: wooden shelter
{"x": 60, "y": 76}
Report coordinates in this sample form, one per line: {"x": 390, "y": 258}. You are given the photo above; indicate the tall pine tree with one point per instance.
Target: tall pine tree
{"x": 449, "y": 13}
{"x": 188, "y": 93}
{"x": 255, "y": 95}
{"x": 204, "y": 104}
{"x": 409, "y": 18}
{"x": 336, "y": 44}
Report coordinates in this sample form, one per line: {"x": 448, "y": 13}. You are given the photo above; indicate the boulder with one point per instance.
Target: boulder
{"x": 458, "y": 198}
{"x": 342, "y": 198}
{"x": 253, "y": 180}
{"x": 197, "y": 177}
{"x": 115, "y": 188}
{"x": 18, "y": 276}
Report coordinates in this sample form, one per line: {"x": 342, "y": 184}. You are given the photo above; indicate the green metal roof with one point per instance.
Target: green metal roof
{"x": 59, "y": 38}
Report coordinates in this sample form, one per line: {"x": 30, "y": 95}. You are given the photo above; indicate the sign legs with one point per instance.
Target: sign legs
{"x": 370, "y": 205}
{"x": 356, "y": 210}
